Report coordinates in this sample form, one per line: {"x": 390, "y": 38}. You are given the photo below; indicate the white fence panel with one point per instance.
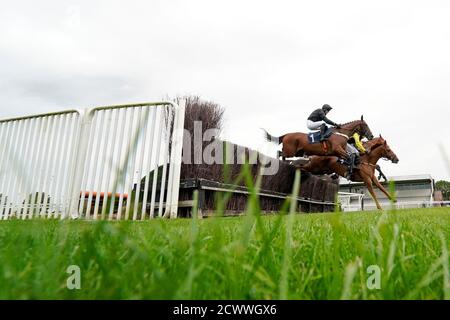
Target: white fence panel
{"x": 36, "y": 155}
{"x": 114, "y": 162}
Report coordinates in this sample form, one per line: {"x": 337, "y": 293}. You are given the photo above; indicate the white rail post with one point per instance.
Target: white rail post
{"x": 175, "y": 161}
{"x": 76, "y": 176}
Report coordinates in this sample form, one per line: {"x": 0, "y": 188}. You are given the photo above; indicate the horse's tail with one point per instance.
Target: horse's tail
{"x": 272, "y": 138}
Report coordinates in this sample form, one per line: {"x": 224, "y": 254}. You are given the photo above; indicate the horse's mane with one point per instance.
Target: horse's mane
{"x": 351, "y": 122}
{"x": 372, "y": 143}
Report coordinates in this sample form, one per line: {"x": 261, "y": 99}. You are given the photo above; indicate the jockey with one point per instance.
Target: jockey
{"x": 318, "y": 120}
{"x": 354, "y": 147}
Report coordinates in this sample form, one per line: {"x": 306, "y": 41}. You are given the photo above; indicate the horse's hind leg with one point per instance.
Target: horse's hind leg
{"x": 287, "y": 151}
{"x": 281, "y": 156}
{"x": 300, "y": 153}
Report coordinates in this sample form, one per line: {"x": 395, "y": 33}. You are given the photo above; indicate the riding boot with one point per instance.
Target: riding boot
{"x": 323, "y": 131}
{"x": 350, "y": 166}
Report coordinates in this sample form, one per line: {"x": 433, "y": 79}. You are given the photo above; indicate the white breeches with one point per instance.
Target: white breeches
{"x": 314, "y": 125}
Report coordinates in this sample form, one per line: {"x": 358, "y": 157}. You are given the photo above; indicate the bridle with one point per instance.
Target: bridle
{"x": 367, "y": 131}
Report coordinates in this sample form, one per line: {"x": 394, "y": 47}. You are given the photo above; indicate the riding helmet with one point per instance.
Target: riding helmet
{"x": 326, "y": 107}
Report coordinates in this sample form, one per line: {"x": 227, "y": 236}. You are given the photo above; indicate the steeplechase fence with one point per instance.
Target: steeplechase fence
{"x": 85, "y": 163}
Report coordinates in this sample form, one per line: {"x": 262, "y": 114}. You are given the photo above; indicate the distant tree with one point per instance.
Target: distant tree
{"x": 444, "y": 187}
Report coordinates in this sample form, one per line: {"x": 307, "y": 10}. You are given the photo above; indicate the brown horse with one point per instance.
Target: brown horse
{"x": 297, "y": 144}
{"x": 365, "y": 171}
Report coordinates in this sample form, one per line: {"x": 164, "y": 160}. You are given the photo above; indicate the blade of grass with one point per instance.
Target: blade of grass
{"x": 285, "y": 268}
{"x": 445, "y": 269}
{"x": 350, "y": 273}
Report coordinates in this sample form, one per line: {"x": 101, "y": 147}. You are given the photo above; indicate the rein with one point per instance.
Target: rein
{"x": 347, "y": 127}
{"x": 369, "y": 164}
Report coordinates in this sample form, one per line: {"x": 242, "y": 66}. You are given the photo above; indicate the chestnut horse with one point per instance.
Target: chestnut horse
{"x": 297, "y": 144}
{"x": 365, "y": 171}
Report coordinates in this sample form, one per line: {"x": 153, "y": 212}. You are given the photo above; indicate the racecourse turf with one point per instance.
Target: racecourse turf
{"x": 314, "y": 256}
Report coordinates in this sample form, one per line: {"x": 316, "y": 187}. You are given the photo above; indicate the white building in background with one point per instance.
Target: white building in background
{"x": 411, "y": 191}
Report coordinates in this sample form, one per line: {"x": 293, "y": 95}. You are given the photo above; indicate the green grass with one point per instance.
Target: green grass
{"x": 320, "y": 256}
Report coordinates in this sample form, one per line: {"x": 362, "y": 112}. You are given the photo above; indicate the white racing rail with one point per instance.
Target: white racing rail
{"x": 398, "y": 205}
{"x": 91, "y": 163}
{"x": 346, "y": 199}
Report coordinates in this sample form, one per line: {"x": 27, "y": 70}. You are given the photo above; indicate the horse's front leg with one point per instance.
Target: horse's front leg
{"x": 369, "y": 186}
{"x": 340, "y": 152}
{"x": 383, "y": 189}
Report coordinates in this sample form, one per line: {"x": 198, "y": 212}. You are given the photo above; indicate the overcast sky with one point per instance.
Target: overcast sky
{"x": 268, "y": 63}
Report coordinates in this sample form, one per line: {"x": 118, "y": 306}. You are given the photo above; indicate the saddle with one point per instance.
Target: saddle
{"x": 315, "y": 136}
